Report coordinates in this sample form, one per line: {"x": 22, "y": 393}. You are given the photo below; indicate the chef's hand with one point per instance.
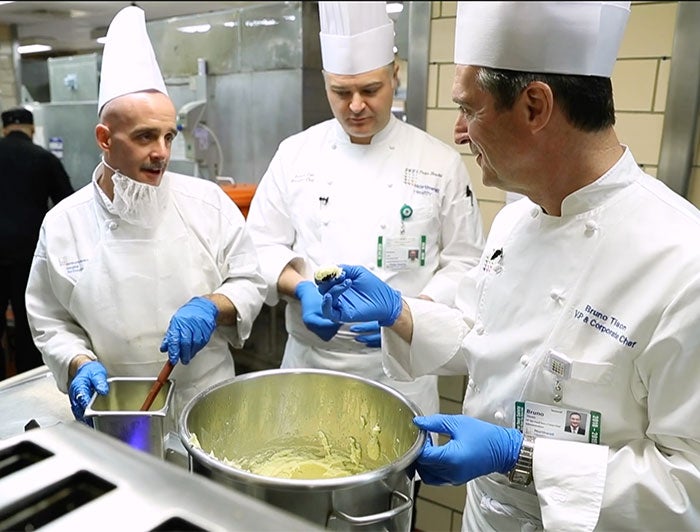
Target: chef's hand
{"x": 359, "y": 295}
{"x": 190, "y": 329}
{"x": 476, "y": 448}
{"x": 372, "y": 336}
{"x": 311, "y": 299}
{"x": 89, "y": 378}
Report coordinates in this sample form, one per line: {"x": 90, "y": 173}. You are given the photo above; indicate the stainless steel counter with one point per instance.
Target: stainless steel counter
{"x": 31, "y": 395}
{"x": 64, "y": 475}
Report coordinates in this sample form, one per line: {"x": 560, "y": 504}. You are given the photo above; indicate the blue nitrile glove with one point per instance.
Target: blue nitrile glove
{"x": 190, "y": 329}
{"x": 359, "y": 295}
{"x": 477, "y": 448}
{"x": 89, "y": 378}
{"x": 311, "y": 299}
{"x": 373, "y": 338}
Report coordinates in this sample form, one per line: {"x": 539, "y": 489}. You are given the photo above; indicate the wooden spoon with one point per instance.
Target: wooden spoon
{"x": 155, "y": 389}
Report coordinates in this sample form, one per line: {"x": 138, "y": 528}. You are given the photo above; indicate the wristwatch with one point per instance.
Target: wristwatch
{"x": 521, "y": 474}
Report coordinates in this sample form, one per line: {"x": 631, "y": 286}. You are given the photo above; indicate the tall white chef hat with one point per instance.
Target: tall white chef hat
{"x": 580, "y": 38}
{"x": 128, "y": 61}
{"x": 356, "y": 37}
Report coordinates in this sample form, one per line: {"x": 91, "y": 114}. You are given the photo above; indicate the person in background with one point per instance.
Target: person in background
{"x": 397, "y": 188}
{"x": 33, "y": 180}
{"x": 405, "y": 195}
{"x": 586, "y": 298}
{"x": 142, "y": 265}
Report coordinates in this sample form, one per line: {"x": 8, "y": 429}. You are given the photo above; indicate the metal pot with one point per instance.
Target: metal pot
{"x": 238, "y": 416}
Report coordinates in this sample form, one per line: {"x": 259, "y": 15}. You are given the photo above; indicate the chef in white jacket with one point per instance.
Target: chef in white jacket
{"x": 141, "y": 266}
{"x": 367, "y": 188}
{"x": 586, "y": 298}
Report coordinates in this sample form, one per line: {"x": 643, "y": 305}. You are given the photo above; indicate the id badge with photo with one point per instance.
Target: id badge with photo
{"x": 556, "y": 422}
{"x": 401, "y": 252}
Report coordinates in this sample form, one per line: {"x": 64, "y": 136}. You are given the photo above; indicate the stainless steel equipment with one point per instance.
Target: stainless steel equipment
{"x": 70, "y": 477}
{"x": 254, "y": 411}
{"x": 118, "y": 413}
{"x": 71, "y": 127}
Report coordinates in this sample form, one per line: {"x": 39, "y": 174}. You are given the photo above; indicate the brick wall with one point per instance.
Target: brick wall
{"x": 8, "y": 86}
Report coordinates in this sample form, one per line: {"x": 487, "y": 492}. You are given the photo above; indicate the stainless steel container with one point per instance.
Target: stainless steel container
{"x": 238, "y": 416}
{"x": 118, "y": 413}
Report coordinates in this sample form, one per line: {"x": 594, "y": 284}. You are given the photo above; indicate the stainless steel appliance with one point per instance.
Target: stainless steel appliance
{"x": 71, "y": 477}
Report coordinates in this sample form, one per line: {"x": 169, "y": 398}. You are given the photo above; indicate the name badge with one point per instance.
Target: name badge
{"x": 556, "y": 422}
{"x": 401, "y": 252}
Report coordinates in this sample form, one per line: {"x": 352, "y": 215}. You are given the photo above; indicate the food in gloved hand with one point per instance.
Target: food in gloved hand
{"x": 327, "y": 273}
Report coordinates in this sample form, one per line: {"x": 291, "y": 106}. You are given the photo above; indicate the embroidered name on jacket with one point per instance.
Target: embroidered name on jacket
{"x": 606, "y": 324}
{"x": 72, "y": 266}
{"x": 419, "y": 181}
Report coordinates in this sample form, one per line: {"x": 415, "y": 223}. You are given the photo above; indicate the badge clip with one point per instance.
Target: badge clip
{"x": 560, "y": 366}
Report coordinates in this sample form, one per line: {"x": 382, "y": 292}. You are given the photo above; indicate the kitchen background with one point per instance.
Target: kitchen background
{"x": 243, "y": 95}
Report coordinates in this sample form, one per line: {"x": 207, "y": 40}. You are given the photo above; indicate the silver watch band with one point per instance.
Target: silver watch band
{"x": 521, "y": 474}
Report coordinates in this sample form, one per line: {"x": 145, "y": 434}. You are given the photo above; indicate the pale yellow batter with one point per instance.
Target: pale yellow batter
{"x": 305, "y": 461}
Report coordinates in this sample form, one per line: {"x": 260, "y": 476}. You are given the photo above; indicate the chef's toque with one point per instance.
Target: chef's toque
{"x": 356, "y": 37}
{"x": 128, "y": 62}
{"x": 580, "y": 38}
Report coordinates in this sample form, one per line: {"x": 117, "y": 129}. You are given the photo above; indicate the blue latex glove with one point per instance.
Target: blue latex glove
{"x": 373, "y": 338}
{"x": 359, "y": 295}
{"x": 476, "y": 448}
{"x": 89, "y": 378}
{"x": 190, "y": 329}
{"x": 311, "y": 299}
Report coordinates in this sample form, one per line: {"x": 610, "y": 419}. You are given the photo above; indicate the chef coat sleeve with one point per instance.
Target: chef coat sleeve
{"x": 435, "y": 348}
{"x": 461, "y": 238}
{"x": 55, "y": 332}
{"x": 651, "y": 483}
{"x": 270, "y": 226}
{"x": 243, "y": 283}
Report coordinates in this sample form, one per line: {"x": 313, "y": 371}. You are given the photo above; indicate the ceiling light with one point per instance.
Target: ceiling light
{"x": 394, "y": 7}
{"x": 33, "y": 48}
{"x": 198, "y": 28}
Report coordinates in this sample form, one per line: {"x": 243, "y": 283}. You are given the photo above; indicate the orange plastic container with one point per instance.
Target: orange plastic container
{"x": 241, "y": 194}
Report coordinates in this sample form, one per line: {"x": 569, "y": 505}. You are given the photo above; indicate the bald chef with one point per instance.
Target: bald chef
{"x": 142, "y": 265}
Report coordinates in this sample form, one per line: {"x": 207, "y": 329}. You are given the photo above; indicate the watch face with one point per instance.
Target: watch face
{"x": 520, "y": 477}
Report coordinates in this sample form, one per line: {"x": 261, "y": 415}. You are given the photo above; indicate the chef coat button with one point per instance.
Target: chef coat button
{"x": 372, "y": 267}
{"x": 383, "y": 226}
{"x": 333, "y": 146}
{"x": 112, "y": 226}
{"x": 535, "y": 212}
{"x": 524, "y": 360}
{"x": 390, "y": 185}
{"x": 470, "y": 384}
{"x": 499, "y": 415}
{"x": 591, "y": 227}
{"x": 479, "y": 329}
{"x": 556, "y": 296}
{"x": 392, "y": 147}
{"x": 498, "y": 268}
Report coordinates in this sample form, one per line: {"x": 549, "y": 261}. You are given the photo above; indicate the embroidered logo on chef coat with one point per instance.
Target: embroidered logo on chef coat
{"x": 72, "y": 266}
{"x": 495, "y": 263}
{"x": 422, "y": 182}
{"x": 605, "y": 323}
{"x": 304, "y": 177}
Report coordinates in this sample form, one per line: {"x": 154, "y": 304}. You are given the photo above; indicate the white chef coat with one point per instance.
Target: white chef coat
{"x": 327, "y": 201}
{"x": 103, "y": 287}
{"x": 625, "y": 254}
